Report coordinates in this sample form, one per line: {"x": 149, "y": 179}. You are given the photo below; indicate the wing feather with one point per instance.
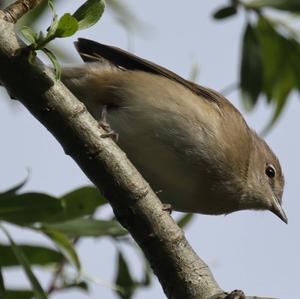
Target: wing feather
{"x": 91, "y": 51}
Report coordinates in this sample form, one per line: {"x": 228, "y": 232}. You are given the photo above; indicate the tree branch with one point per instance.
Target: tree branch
{"x": 181, "y": 272}
{"x": 19, "y": 8}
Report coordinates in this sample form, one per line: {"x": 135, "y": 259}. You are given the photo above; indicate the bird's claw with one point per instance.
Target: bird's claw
{"x": 112, "y": 134}
{"x": 236, "y": 294}
{"x": 102, "y": 123}
{"x": 167, "y": 207}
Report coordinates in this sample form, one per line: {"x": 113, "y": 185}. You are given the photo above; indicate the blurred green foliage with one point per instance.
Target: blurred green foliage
{"x": 64, "y": 220}
{"x": 270, "y": 56}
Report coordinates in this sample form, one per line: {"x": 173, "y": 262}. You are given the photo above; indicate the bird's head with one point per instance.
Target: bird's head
{"x": 265, "y": 180}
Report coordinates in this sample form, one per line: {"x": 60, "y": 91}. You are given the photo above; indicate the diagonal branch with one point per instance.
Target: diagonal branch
{"x": 19, "y": 8}
{"x": 181, "y": 272}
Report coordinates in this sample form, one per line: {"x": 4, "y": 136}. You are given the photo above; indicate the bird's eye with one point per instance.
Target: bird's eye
{"x": 270, "y": 171}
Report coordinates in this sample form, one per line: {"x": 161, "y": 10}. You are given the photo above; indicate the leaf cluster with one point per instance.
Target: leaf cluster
{"x": 84, "y": 17}
{"x": 64, "y": 220}
{"x": 270, "y": 63}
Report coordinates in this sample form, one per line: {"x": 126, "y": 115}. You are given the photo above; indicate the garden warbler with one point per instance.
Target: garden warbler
{"x": 189, "y": 142}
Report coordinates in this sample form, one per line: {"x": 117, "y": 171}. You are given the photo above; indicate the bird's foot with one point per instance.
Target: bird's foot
{"x": 112, "y": 134}
{"x": 236, "y": 294}
{"x": 167, "y": 207}
{"x": 102, "y": 123}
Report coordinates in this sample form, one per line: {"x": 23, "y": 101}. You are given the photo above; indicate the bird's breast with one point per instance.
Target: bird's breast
{"x": 176, "y": 166}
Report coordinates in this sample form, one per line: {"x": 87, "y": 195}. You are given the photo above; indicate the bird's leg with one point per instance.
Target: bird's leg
{"x": 167, "y": 207}
{"x": 236, "y": 294}
{"x": 105, "y": 125}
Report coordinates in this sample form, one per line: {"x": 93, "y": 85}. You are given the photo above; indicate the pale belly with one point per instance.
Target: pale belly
{"x": 172, "y": 173}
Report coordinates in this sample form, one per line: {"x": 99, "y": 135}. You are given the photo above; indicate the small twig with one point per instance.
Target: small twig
{"x": 52, "y": 286}
{"x": 18, "y": 9}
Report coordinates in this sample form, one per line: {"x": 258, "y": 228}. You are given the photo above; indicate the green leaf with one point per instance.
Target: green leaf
{"x": 146, "y": 281}
{"x": 124, "y": 279}
{"x": 281, "y": 93}
{"x": 251, "y": 80}
{"x": 38, "y": 290}
{"x": 36, "y": 255}
{"x": 2, "y": 287}
{"x": 281, "y": 65}
{"x": 29, "y": 34}
{"x": 185, "y": 220}
{"x": 80, "y": 202}
{"x": 54, "y": 61}
{"x": 271, "y": 51}
{"x": 288, "y": 5}
{"x": 41, "y": 41}
{"x": 89, "y": 13}
{"x": 51, "y": 5}
{"x": 14, "y": 189}
{"x": 80, "y": 285}
{"x": 65, "y": 246}
{"x": 18, "y": 294}
{"x": 53, "y": 27}
{"x": 67, "y": 26}
{"x": 28, "y": 208}
{"x": 88, "y": 227}
{"x": 225, "y": 12}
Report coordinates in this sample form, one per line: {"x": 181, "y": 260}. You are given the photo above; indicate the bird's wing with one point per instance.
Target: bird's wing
{"x": 91, "y": 51}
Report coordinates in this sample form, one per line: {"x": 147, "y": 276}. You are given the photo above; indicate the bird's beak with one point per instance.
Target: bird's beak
{"x": 278, "y": 210}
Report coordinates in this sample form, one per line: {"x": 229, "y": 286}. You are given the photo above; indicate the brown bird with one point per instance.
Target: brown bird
{"x": 189, "y": 142}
